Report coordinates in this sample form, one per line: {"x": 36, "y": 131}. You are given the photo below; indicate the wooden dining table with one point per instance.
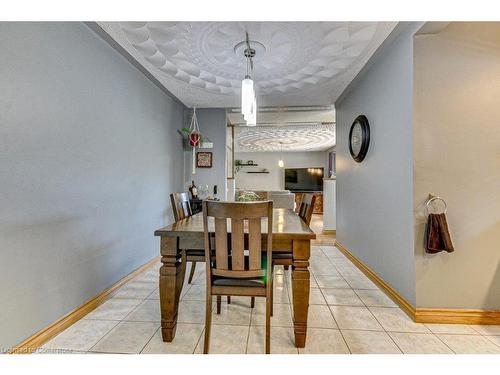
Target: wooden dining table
{"x": 290, "y": 236}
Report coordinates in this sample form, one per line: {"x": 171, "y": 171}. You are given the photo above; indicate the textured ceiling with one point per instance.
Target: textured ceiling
{"x": 296, "y": 137}
{"x": 298, "y": 128}
{"x": 300, "y": 63}
{"x": 290, "y": 115}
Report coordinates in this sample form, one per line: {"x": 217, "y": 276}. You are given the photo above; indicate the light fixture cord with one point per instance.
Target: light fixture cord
{"x": 248, "y": 67}
{"x": 248, "y": 54}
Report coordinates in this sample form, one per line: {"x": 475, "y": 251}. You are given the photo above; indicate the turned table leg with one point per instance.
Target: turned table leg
{"x": 172, "y": 274}
{"x": 300, "y": 289}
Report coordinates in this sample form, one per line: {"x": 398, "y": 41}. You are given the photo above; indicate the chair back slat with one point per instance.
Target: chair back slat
{"x": 243, "y": 258}
{"x": 221, "y": 249}
{"x": 180, "y": 205}
{"x": 254, "y": 244}
{"x": 307, "y": 207}
{"x": 237, "y": 245}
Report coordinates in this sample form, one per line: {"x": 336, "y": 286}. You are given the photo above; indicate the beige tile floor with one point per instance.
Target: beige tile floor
{"x": 348, "y": 314}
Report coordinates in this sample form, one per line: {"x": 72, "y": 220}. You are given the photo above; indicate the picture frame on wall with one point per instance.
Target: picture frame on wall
{"x": 204, "y": 159}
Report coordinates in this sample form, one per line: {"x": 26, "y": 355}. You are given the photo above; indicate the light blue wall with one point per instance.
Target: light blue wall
{"x": 212, "y": 123}
{"x": 375, "y": 197}
{"x": 89, "y": 153}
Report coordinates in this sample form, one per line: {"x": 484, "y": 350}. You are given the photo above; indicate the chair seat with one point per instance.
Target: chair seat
{"x": 195, "y": 253}
{"x": 282, "y": 256}
{"x": 224, "y": 281}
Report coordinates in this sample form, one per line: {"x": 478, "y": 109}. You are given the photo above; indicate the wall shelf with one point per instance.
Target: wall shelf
{"x": 247, "y": 165}
{"x": 257, "y": 172}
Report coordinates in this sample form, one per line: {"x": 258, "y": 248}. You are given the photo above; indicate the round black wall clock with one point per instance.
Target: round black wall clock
{"x": 359, "y": 138}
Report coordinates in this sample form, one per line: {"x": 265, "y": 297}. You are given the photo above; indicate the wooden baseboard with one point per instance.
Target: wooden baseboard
{"x": 457, "y": 316}
{"x": 425, "y": 315}
{"x": 34, "y": 342}
{"x": 406, "y": 306}
{"x": 328, "y": 231}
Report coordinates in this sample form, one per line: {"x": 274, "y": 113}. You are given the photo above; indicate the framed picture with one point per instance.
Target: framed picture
{"x": 204, "y": 159}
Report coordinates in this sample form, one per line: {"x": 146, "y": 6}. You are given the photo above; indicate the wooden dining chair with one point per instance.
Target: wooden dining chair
{"x": 235, "y": 270}
{"x": 182, "y": 210}
{"x": 305, "y": 212}
{"x": 180, "y": 205}
{"x": 306, "y": 207}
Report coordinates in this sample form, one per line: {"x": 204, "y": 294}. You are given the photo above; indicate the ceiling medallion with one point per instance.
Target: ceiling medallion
{"x": 304, "y": 63}
{"x": 241, "y": 49}
{"x": 317, "y": 137}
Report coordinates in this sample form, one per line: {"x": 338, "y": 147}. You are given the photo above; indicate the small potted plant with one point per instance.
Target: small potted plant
{"x": 185, "y": 138}
{"x": 237, "y": 165}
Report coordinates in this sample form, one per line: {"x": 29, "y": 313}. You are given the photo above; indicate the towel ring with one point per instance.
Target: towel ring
{"x": 432, "y": 200}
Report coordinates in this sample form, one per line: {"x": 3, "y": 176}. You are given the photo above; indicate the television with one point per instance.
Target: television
{"x": 304, "y": 179}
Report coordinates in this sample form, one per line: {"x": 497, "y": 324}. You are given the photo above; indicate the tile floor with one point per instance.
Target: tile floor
{"x": 348, "y": 314}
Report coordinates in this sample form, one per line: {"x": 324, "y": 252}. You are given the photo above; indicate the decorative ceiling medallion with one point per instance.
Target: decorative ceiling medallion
{"x": 202, "y": 53}
{"x": 306, "y": 137}
{"x": 297, "y": 63}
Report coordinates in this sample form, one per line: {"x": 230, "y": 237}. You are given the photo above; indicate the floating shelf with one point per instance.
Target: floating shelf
{"x": 247, "y": 165}
{"x": 257, "y": 172}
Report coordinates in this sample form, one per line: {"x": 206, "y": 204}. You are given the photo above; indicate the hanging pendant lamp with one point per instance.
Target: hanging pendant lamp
{"x": 247, "y": 95}
{"x": 252, "y": 117}
{"x": 281, "y": 163}
{"x": 248, "y": 100}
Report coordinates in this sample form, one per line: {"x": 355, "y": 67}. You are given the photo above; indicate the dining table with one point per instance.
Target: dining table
{"x": 291, "y": 238}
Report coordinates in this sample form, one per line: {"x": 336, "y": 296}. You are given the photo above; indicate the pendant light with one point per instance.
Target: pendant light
{"x": 252, "y": 117}
{"x": 281, "y": 163}
{"x": 247, "y": 95}
{"x": 248, "y": 100}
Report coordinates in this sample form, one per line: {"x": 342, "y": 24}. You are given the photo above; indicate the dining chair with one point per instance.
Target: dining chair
{"x": 305, "y": 212}
{"x": 182, "y": 210}
{"x": 236, "y": 269}
{"x": 306, "y": 207}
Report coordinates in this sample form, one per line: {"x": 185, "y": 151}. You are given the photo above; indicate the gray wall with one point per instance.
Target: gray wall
{"x": 456, "y": 147}
{"x": 375, "y": 197}
{"x": 89, "y": 152}
{"x": 212, "y": 123}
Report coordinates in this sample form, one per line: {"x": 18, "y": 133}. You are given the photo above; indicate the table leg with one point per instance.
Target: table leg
{"x": 172, "y": 274}
{"x": 300, "y": 289}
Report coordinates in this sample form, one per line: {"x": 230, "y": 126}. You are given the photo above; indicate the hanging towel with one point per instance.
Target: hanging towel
{"x": 438, "y": 235}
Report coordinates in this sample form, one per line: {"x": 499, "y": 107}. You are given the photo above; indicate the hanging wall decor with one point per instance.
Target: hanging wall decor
{"x": 194, "y": 137}
{"x": 204, "y": 159}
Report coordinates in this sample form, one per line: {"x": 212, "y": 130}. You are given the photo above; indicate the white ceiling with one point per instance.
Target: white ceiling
{"x": 302, "y": 63}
